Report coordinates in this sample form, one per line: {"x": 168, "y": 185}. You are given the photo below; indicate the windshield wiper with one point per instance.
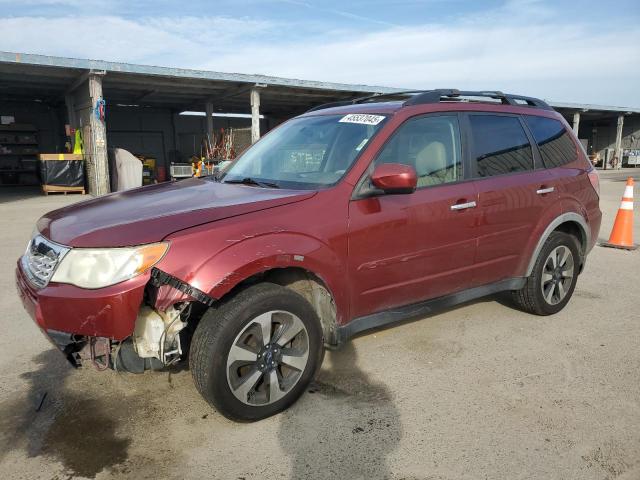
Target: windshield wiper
{"x": 252, "y": 181}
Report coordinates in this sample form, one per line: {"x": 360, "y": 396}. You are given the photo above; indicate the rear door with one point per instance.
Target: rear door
{"x": 559, "y": 155}
{"x": 513, "y": 192}
{"x": 411, "y": 247}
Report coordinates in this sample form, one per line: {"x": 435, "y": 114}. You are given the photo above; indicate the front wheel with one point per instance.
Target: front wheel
{"x": 553, "y": 278}
{"x": 255, "y": 355}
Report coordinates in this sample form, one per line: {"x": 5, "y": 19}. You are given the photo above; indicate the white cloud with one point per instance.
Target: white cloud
{"x": 103, "y": 37}
{"x": 521, "y": 48}
{"x": 570, "y": 64}
{"x": 212, "y": 30}
{"x": 339, "y": 13}
{"x": 180, "y": 41}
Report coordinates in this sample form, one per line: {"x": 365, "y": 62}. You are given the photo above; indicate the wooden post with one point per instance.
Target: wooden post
{"x": 618, "y": 151}
{"x": 209, "y": 110}
{"x": 576, "y": 123}
{"x": 96, "y": 142}
{"x": 255, "y": 115}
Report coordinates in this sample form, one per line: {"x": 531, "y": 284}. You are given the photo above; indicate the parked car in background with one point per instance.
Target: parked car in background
{"x": 352, "y": 216}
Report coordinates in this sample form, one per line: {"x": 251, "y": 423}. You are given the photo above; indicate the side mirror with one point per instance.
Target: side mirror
{"x": 395, "y": 178}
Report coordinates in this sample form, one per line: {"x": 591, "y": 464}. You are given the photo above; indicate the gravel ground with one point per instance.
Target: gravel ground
{"x": 480, "y": 391}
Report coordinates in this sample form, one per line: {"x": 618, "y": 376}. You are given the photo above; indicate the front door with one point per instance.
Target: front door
{"x": 411, "y": 247}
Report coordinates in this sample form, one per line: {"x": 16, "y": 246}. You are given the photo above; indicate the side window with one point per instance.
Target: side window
{"x": 554, "y": 142}
{"x": 500, "y": 145}
{"x": 429, "y": 144}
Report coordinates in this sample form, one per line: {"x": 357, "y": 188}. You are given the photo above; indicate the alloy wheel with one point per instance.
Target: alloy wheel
{"x": 267, "y": 358}
{"x": 557, "y": 275}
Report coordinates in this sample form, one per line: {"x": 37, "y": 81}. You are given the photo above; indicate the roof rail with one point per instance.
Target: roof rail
{"x": 420, "y": 97}
{"x": 435, "y": 96}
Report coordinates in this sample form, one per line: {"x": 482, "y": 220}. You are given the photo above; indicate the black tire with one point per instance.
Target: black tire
{"x": 531, "y": 297}
{"x": 218, "y": 330}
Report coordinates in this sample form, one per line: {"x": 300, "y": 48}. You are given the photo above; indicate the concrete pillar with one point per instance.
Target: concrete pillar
{"x": 209, "y": 111}
{"x": 576, "y": 123}
{"x": 95, "y": 142}
{"x": 255, "y": 115}
{"x": 618, "y": 150}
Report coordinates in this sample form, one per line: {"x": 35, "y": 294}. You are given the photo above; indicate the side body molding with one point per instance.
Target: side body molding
{"x": 559, "y": 220}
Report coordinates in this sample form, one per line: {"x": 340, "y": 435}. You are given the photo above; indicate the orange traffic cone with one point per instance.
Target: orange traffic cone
{"x": 622, "y": 233}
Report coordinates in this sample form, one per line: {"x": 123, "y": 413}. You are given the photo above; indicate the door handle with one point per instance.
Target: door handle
{"x": 463, "y": 206}
{"x": 542, "y": 191}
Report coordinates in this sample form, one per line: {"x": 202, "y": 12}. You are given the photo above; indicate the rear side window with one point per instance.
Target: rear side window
{"x": 500, "y": 145}
{"x": 554, "y": 142}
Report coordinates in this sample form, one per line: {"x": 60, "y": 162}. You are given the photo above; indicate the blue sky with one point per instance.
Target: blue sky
{"x": 568, "y": 51}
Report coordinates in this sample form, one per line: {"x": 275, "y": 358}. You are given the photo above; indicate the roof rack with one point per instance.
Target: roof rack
{"x": 420, "y": 97}
{"x": 435, "y": 96}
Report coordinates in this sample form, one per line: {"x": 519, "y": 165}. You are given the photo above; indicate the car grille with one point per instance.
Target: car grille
{"x": 41, "y": 259}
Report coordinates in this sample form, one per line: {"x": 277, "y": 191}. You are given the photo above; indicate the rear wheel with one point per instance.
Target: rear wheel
{"x": 553, "y": 278}
{"x": 255, "y": 355}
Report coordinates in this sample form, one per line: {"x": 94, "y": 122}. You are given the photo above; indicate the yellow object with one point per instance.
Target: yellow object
{"x": 149, "y": 169}
{"x": 149, "y": 162}
{"x": 78, "y": 144}
{"x": 199, "y": 168}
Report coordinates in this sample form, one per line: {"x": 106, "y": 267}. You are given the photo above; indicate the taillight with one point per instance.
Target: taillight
{"x": 594, "y": 178}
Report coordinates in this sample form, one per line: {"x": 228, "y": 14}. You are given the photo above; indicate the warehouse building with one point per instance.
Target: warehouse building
{"x": 165, "y": 113}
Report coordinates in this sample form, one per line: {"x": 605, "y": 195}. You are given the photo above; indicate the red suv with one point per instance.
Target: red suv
{"x": 352, "y": 216}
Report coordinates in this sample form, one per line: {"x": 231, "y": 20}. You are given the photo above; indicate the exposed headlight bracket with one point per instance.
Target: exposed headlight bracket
{"x": 159, "y": 278}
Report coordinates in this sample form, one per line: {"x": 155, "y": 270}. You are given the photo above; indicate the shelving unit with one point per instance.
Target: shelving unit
{"x": 18, "y": 155}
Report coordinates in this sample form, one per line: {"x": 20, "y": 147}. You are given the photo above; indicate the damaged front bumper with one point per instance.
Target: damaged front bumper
{"x": 106, "y": 312}
{"x": 73, "y": 317}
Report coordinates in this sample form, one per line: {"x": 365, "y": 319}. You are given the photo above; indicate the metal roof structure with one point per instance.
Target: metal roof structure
{"x": 25, "y": 76}
{"x": 28, "y": 76}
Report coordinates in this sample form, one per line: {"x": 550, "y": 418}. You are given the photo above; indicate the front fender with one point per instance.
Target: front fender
{"x": 219, "y": 272}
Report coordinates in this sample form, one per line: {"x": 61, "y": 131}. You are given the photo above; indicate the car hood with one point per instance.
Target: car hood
{"x": 149, "y": 214}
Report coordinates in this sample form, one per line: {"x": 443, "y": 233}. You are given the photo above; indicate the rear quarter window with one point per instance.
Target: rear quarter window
{"x": 554, "y": 141}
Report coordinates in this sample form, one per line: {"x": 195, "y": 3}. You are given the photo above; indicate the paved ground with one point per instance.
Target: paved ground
{"x": 480, "y": 391}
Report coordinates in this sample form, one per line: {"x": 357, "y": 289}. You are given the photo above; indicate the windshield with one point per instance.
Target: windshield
{"x": 305, "y": 153}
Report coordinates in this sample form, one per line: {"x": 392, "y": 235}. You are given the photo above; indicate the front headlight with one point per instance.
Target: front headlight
{"x": 101, "y": 267}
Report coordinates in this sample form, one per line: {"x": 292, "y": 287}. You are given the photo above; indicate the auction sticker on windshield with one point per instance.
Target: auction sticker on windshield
{"x": 362, "y": 118}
